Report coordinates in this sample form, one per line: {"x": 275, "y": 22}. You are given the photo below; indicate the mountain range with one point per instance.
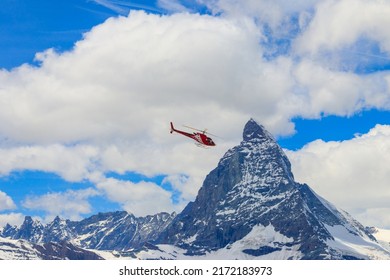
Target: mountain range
{"x": 249, "y": 207}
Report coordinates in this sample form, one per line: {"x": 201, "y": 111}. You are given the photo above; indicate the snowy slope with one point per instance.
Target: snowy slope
{"x": 24, "y": 250}
{"x": 17, "y": 250}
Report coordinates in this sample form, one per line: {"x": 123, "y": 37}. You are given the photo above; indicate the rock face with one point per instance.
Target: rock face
{"x": 248, "y": 207}
{"x": 119, "y": 231}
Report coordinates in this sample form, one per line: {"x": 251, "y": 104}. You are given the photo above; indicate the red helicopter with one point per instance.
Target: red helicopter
{"x": 200, "y": 137}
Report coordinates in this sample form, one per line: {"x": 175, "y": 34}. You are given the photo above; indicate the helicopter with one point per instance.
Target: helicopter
{"x": 200, "y": 136}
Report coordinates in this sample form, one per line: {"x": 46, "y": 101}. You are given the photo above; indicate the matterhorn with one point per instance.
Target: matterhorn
{"x": 251, "y": 207}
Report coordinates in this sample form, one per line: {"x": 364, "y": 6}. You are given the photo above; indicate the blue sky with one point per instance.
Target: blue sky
{"x": 89, "y": 90}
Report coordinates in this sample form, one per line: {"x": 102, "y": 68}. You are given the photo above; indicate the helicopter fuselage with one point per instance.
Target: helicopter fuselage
{"x": 201, "y": 138}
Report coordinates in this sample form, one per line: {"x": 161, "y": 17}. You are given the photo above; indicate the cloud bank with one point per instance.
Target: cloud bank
{"x": 353, "y": 174}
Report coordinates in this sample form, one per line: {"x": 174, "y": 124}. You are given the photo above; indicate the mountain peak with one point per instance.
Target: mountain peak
{"x": 28, "y": 220}
{"x": 260, "y": 146}
{"x": 254, "y": 130}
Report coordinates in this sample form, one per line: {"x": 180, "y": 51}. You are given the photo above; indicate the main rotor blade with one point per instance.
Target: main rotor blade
{"x": 203, "y": 131}
{"x": 193, "y": 128}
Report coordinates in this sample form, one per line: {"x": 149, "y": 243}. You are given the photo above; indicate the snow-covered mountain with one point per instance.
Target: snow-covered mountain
{"x": 21, "y": 249}
{"x": 105, "y": 231}
{"x": 249, "y": 207}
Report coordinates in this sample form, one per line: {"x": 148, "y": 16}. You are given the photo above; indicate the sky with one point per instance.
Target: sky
{"x": 88, "y": 88}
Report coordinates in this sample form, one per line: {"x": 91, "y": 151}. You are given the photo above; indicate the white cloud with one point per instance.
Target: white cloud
{"x": 6, "y": 202}
{"x": 141, "y": 199}
{"x": 339, "y": 24}
{"x": 131, "y": 75}
{"x": 14, "y": 219}
{"x": 71, "y": 163}
{"x": 353, "y": 174}
{"x": 321, "y": 90}
{"x": 70, "y": 204}
{"x": 128, "y": 74}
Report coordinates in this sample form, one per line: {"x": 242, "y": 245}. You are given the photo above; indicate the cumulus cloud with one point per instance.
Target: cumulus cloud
{"x": 338, "y": 24}
{"x": 131, "y": 75}
{"x": 323, "y": 91}
{"x": 71, "y": 163}
{"x": 353, "y": 174}
{"x": 14, "y": 219}
{"x": 70, "y": 204}
{"x": 141, "y": 199}
{"x": 6, "y": 202}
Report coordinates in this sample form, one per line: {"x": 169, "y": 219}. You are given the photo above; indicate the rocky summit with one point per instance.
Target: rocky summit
{"x": 249, "y": 207}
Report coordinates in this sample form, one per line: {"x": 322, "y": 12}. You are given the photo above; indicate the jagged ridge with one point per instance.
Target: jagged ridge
{"x": 104, "y": 231}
